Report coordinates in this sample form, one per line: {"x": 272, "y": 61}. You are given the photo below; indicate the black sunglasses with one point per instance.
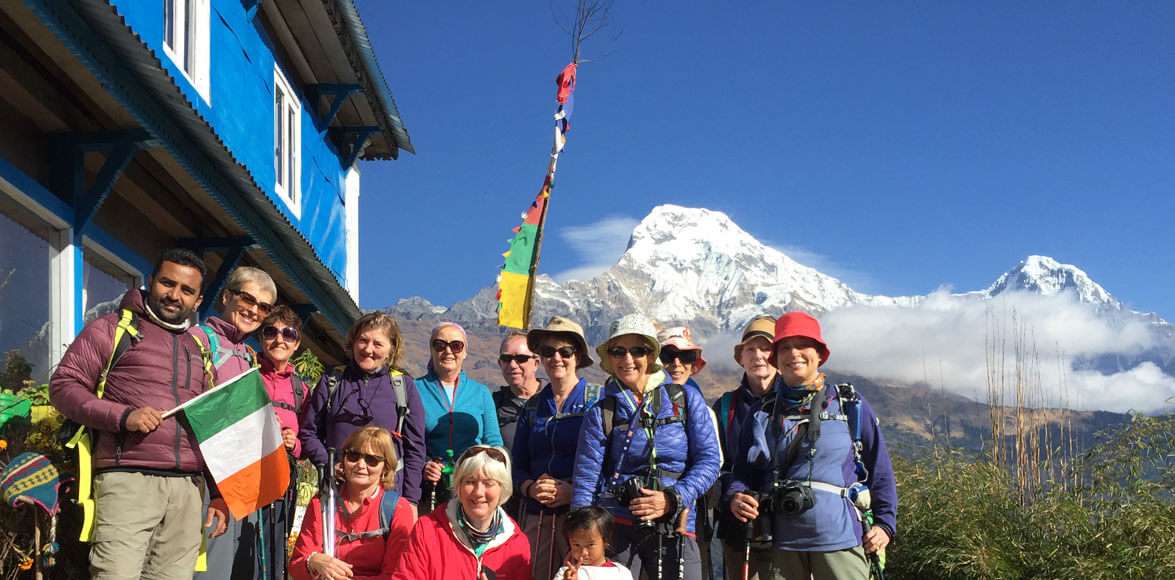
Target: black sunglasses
{"x": 454, "y": 345}
{"x": 564, "y": 351}
{"x": 353, "y": 456}
{"x": 635, "y": 351}
{"x": 687, "y": 357}
{"x": 252, "y": 301}
{"x": 289, "y": 333}
{"x": 518, "y": 358}
{"x": 494, "y": 453}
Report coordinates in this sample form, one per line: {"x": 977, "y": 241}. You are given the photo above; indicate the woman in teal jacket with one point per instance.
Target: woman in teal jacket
{"x": 458, "y": 411}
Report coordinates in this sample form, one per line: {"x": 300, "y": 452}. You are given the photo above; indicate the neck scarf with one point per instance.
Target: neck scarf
{"x": 168, "y": 325}
{"x": 479, "y": 538}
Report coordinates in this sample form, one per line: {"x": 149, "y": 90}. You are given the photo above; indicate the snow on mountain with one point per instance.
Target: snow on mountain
{"x": 697, "y": 265}
{"x": 1048, "y": 277}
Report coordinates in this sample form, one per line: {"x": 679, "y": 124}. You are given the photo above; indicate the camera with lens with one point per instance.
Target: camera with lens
{"x": 630, "y": 490}
{"x": 790, "y": 498}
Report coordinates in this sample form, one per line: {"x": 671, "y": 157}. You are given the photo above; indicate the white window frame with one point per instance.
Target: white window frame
{"x": 192, "y": 61}
{"x": 287, "y": 143}
{"x": 90, "y": 245}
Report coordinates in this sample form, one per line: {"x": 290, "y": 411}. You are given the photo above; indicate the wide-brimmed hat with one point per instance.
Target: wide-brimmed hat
{"x": 759, "y": 326}
{"x": 803, "y": 325}
{"x": 680, "y": 338}
{"x": 561, "y": 327}
{"x": 639, "y": 325}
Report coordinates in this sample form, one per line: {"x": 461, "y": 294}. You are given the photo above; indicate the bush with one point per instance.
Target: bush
{"x": 960, "y": 519}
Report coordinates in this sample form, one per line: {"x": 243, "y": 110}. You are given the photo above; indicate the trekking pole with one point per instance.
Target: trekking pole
{"x": 750, "y": 529}
{"x": 328, "y": 506}
{"x": 682, "y": 523}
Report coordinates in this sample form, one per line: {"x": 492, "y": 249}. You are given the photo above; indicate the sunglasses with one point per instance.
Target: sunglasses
{"x": 518, "y": 358}
{"x": 353, "y": 456}
{"x": 687, "y": 357}
{"x": 289, "y": 333}
{"x": 252, "y": 301}
{"x": 454, "y": 345}
{"x": 494, "y": 453}
{"x": 635, "y": 351}
{"x": 549, "y": 351}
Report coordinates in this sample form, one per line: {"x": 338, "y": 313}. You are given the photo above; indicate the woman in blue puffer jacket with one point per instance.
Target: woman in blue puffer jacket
{"x": 646, "y": 452}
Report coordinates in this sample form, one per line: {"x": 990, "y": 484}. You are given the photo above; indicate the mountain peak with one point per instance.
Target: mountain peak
{"x": 1046, "y": 276}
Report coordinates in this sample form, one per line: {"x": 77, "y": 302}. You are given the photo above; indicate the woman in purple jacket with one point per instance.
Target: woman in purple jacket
{"x": 370, "y": 391}
{"x": 825, "y": 505}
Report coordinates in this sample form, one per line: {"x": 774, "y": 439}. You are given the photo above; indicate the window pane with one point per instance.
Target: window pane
{"x": 292, "y": 149}
{"x": 189, "y": 56}
{"x": 278, "y": 136}
{"x": 169, "y": 23}
{"x": 104, "y": 286}
{"x": 25, "y": 319}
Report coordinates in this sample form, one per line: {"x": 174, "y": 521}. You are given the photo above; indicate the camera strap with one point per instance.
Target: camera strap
{"x": 807, "y": 430}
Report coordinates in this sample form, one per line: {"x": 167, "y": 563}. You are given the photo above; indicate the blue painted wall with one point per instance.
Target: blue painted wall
{"x": 241, "y": 113}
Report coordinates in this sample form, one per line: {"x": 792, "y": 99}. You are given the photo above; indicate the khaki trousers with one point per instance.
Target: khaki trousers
{"x": 145, "y": 526}
{"x": 847, "y": 564}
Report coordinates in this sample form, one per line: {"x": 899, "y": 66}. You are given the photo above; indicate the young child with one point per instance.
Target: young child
{"x": 587, "y": 531}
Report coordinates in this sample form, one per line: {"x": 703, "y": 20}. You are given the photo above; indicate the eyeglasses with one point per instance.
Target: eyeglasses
{"x": 518, "y": 358}
{"x": 687, "y": 357}
{"x": 454, "y": 345}
{"x": 353, "y": 456}
{"x": 289, "y": 333}
{"x": 252, "y": 301}
{"x": 549, "y": 351}
{"x": 635, "y": 351}
{"x": 494, "y": 453}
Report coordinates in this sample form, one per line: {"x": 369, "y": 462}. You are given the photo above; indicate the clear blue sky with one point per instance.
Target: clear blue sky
{"x": 901, "y": 146}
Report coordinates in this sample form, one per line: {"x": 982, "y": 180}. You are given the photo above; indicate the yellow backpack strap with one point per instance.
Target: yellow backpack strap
{"x": 206, "y": 358}
{"x": 125, "y": 334}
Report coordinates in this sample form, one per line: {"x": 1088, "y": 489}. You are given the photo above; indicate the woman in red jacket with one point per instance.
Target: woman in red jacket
{"x": 470, "y": 537}
{"x": 372, "y": 522}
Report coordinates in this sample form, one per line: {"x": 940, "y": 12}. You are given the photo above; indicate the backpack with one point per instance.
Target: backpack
{"x": 399, "y": 389}
{"x": 387, "y": 511}
{"x": 214, "y": 347}
{"x": 299, "y": 388}
{"x": 676, "y": 397}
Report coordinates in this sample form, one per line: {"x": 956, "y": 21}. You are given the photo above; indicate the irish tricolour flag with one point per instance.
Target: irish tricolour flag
{"x": 241, "y": 441}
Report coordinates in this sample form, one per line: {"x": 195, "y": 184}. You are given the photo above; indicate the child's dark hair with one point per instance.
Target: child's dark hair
{"x": 587, "y": 518}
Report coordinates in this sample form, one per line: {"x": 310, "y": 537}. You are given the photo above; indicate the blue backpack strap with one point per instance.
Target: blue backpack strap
{"x": 213, "y": 343}
{"x": 387, "y": 510}
{"x": 850, "y": 405}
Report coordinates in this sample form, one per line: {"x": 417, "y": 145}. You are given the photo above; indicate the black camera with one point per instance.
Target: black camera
{"x": 631, "y": 489}
{"x": 791, "y": 498}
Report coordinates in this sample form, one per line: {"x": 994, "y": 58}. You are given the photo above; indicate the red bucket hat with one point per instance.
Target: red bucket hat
{"x": 803, "y": 325}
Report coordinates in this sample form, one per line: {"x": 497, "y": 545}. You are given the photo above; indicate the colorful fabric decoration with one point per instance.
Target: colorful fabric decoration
{"x": 31, "y": 478}
{"x": 516, "y": 280}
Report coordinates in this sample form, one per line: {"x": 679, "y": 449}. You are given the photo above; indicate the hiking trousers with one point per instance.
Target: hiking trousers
{"x": 847, "y": 564}
{"x": 145, "y": 526}
{"x": 548, "y": 545}
{"x": 637, "y": 549}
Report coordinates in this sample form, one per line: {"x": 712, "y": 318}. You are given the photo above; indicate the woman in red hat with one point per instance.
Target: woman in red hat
{"x": 828, "y": 491}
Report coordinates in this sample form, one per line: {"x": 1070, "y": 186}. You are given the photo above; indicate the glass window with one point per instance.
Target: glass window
{"x": 287, "y": 114}
{"x": 25, "y": 311}
{"x": 104, "y": 286}
{"x": 186, "y": 39}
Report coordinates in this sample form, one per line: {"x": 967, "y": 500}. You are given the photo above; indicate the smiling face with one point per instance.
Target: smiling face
{"x": 446, "y": 360}
{"x": 277, "y": 347}
{"x": 798, "y": 360}
{"x": 755, "y": 358}
{"x": 587, "y": 546}
{"x": 517, "y": 374}
{"x": 557, "y": 366}
{"x": 175, "y": 292}
{"x": 479, "y": 495}
{"x": 358, "y": 474}
{"x": 372, "y": 349}
{"x": 679, "y": 371}
{"x": 630, "y": 370}
{"x": 247, "y": 306}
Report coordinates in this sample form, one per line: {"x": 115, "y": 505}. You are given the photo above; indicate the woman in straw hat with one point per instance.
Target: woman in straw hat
{"x": 646, "y": 452}
{"x": 816, "y": 502}
{"x": 547, "y": 432}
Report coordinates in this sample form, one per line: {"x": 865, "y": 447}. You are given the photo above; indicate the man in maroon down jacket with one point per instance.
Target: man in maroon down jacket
{"x": 147, "y": 469}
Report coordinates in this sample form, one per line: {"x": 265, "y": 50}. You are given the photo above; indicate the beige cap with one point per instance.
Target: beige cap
{"x": 565, "y": 328}
{"x": 762, "y": 326}
{"x": 639, "y": 325}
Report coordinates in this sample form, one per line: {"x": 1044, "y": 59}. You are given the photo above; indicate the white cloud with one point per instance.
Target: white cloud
{"x": 598, "y": 245}
{"x": 959, "y": 340}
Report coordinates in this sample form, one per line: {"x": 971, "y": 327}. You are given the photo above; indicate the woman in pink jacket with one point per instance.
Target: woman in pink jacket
{"x": 470, "y": 537}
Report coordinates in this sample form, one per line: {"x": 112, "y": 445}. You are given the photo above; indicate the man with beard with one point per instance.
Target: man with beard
{"x": 148, "y": 470}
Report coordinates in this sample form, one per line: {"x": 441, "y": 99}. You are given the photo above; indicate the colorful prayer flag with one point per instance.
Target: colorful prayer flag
{"x": 240, "y": 439}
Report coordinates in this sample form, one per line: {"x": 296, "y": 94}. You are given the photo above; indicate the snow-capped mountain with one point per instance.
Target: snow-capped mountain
{"x": 697, "y": 265}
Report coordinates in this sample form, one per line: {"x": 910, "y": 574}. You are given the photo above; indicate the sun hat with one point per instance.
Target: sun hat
{"x": 759, "y": 326}
{"x": 560, "y": 327}
{"x": 803, "y": 325}
{"x": 680, "y": 338}
{"x": 637, "y": 324}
